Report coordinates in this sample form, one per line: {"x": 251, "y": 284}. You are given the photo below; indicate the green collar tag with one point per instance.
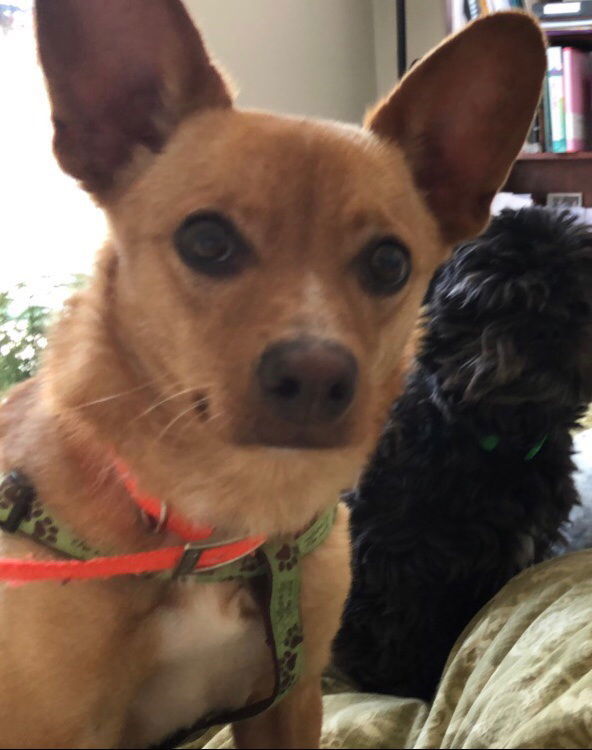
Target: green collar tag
{"x": 536, "y": 449}
{"x": 490, "y": 442}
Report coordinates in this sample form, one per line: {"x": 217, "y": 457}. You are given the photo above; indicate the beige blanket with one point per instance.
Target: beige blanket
{"x": 519, "y": 676}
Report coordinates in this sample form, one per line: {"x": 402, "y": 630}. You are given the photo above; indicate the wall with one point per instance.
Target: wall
{"x": 308, "y": 57}
{"x": 324, "y": 58}
{"x": 385, "y": 44}
{"x": 426, "y": 27}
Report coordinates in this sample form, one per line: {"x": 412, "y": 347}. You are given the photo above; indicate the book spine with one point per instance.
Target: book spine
{"x": 574, "y": 72}
{"x": 556, "y": 98}
{"x": 535, "y": 140}
{"x": 542, "y": 124}
{"x": 556, "y": 11}
{"x": 472, "y": 9}
{"x": 588, "y": 102}
{"x": 532, "y": 144}
{"x": 548, "y": 142}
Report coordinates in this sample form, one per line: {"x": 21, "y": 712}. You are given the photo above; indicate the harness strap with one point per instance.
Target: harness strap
{"x": 20, "y": 510}
{"x": 274, "y": 566}
{"x": 282, "y": 623}
{"x": 280, "y": 590}
{"x": 164, "y": 517}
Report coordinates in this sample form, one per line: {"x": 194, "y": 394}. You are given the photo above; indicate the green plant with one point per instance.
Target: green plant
{"x": 22, "y": 339}
{"x": 23, "y": 330}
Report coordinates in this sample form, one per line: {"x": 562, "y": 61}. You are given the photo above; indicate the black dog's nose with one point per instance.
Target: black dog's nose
{"x": 308, "y": 380}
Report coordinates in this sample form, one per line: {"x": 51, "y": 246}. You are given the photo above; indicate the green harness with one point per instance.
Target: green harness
{"x": 273, "y": 570}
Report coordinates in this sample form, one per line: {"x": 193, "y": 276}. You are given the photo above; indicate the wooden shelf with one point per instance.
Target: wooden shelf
{"x": 575, "y": 37}
{"x": 548, "y": 156}
{"x": 544, "y": 173}
{"x": 579, "y": 39}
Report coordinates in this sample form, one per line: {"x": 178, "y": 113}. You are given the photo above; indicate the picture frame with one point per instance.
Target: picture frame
{"x": 564, "y": 200}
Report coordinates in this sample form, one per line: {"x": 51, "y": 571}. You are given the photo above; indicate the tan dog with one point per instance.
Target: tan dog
{"x": 238, "y": 347}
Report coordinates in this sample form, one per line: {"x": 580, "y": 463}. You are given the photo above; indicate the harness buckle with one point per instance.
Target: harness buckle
{"x": 20, "y": 493}
{"x": 188, "y": 560}
{"x": 194, "y": 550}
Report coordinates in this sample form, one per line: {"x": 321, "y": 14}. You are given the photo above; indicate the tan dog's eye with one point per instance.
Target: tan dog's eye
{"x": 209, "y": 243}
{"x": 384, "y": 267}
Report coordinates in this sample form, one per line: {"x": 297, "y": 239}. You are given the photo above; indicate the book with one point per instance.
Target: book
{"x": 556, "y": 11}
{"x": 535, "y": 139}
{"x": 472, "y": 9}
{"x": 575, "y": 70}
{"x": 497, "y": 5}
{"x": 556, "y": 99}
{"x": 581, "y": 26}
{"x": 547, "y": 142}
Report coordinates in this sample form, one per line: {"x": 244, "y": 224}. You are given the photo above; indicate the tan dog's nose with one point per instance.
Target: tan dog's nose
{"x": 308, "y": 380}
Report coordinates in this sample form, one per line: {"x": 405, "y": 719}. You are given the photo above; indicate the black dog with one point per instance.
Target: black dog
{"x": 472, "y": 480}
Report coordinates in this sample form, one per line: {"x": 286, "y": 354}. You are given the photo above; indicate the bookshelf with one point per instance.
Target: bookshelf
{"x": 544, "y": 173}
{"x": 547, "y": 172}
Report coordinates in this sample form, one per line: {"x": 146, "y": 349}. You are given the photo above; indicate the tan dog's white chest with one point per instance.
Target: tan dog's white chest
{"x": 210, "y": 655}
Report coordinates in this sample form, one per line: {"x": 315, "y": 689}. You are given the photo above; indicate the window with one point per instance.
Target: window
{"x": 49, "y": 228}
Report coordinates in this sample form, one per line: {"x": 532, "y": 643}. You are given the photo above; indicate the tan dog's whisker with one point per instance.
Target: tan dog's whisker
{"x": 186, "y": 427}
{"x": 219, "y": 417}
{"x": 163, "y": 401}
{"x": 174, "y": 421}
{"x": 114, "y": 396}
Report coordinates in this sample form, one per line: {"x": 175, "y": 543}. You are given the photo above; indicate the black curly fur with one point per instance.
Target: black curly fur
{"x": 439, "y": 524}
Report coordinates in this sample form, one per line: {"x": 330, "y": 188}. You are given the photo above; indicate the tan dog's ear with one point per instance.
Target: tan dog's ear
{"x": 120, "y": 74}
{"x": 462, "y": 114}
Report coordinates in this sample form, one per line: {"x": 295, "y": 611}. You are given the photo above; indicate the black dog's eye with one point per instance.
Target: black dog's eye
{"x": 210, "y": 244}
{"x": 385, "y": 267}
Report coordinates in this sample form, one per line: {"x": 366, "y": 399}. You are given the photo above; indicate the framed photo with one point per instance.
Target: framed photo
{"x": 564, "y": 200}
